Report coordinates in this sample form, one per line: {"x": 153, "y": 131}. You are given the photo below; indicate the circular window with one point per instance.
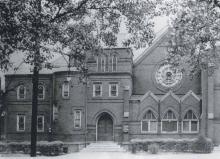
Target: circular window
{"x": 168, "y": 76}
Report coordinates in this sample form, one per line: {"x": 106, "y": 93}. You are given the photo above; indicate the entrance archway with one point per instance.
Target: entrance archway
{"x": 105, "y": 127}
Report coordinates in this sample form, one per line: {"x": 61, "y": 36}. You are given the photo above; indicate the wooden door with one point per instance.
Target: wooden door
{"x": 105, "y": 128}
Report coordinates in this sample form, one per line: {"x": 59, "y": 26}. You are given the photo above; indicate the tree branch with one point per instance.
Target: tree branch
{"x": 71, "y": 11}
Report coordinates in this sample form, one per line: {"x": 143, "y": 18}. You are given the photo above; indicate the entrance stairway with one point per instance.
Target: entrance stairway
{"x": 217, "y": 148}
{"x": 103, "y": 146}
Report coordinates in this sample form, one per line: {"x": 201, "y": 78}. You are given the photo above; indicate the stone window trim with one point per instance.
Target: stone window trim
{"x": 38, "y": 128}
{"x": 97, "y": 89}
{"x": 189, "y": 119}
{"x": 41, "y": 95}
{"x": 149, "y": 119}
{"x": 169, "y": 118}
{"x": 66, "y": 90}
{"x": 112, "y": 92}
{"x": 77, "y": 116}
{"x": 21, "y": 119}
{"x": 23, "y": 95}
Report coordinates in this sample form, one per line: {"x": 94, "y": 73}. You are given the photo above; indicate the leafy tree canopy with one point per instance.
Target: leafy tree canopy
{"x": 39, "y": 28}
{"x": 195, "y": 33}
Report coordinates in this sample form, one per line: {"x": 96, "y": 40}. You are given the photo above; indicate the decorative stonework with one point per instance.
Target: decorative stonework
{"x": 168, "y": 76}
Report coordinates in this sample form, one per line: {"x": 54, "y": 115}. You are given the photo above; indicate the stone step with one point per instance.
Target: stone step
{"x": 103, "y": 147}
{"x": 217, "y": 148}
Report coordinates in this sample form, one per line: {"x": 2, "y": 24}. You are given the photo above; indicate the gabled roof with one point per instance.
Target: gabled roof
{"x": 149, "y": 93}
{"x": 188, "y": 94}
{"x": 155, "y": 43}
{"x": 170, "y": 93}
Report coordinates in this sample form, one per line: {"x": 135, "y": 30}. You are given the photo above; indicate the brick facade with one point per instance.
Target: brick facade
{"x": 138, "y": 92}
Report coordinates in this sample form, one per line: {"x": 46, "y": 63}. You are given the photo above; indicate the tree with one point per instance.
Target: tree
{"x": 195, "y": 33}
{"x": 38, "y": 28}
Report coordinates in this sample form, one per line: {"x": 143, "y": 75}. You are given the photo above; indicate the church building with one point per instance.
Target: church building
{"x": 121, "y": 99}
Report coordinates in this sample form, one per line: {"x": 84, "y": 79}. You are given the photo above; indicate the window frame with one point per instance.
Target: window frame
{"x": 149, "y": 121}
{"x": 170, "y": 120}
{"x": 116, "y": 63}
{"x": 63, "y": 92}
{"x": 17, "y": 123}
{"x": 75, "y": 119}
{"x": 94, "y": 89}
{"x": 43, "y": 92}
{"x": 18, "y": 92}
{"x": 103, "y": 59}
{"x": 42, "y": 116}
{"x": 190, "y": 123}
{"x": 110, "y": 89}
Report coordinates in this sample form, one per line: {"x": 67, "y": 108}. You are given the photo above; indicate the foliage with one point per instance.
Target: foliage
{"x": 43, "y": 147}
{"x": 169, "y": 144}
{"x": 134, "y": 148}
{"x": 153, "y": 148}
{"x": 195, "y": 33}
{"x": 38, "y": 28}
{"x": 202, "y": 145}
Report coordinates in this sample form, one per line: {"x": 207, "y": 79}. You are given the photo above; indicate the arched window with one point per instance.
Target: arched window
{"x": 41, "y": 91}
{"x": 149, "y": 122}
{"x": 103, "y": 61}
{"x": 106, "y": 63}
{"x": 190, "y": 123}
{"x": 66, "y": 89}
{"x": 21, "y": 92}
{"x": 169, "y": 123}
{"x": 114, "y": 63}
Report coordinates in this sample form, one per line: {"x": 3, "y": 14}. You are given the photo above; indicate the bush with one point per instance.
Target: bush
{"x": 134, "y": 148}
{"x": 153, "y": 148}
{"x": 202, "y": 145}
{"x": 174, "y": 145}
{"x": 43, "y": 147}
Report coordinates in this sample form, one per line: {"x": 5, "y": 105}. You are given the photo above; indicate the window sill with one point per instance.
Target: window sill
{"x": 112, "y": 96}
{"x": 97, "y": 96}
{"x": 176, "y": 132}
{"x": 66, "y": 98}
{"x": 77, "y": 129}
{"x": 20, "y": 131}
{"x": 196, "y": 132}
{"x": 147, "y": 132}
{"x": 40, "y": 131}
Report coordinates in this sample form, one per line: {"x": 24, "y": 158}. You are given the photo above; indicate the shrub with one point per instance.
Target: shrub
{"x": 43, "y": 147}
{"x": 153, "y": 148}
{"x": 134, "y": 148}
{"x": 50, "y": 148}
{"x": 171, "y": 144}
{"x": 202, "y": 145}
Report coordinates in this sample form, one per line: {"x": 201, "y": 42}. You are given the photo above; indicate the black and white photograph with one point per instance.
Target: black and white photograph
{"x": 110, "y": 79}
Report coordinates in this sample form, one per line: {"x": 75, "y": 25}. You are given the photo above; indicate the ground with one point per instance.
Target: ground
{"x": 122, "y": 155}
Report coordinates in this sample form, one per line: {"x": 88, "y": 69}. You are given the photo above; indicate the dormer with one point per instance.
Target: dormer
{"x": 111, "y": 61}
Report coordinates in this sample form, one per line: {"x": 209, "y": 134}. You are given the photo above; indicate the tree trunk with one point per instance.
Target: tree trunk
{"x": 35, "y": 79}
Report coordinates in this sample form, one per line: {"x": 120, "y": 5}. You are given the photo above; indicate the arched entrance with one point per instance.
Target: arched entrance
{"x": 104, "y": 128}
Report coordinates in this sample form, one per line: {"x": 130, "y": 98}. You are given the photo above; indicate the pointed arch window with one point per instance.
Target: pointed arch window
{"x": 169, "y": 123}
{"x": 190, "y": 123}
{"x": 149, "y": 122}
{"x": 41, "y": 91}
{"x": 21, "y": 92}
